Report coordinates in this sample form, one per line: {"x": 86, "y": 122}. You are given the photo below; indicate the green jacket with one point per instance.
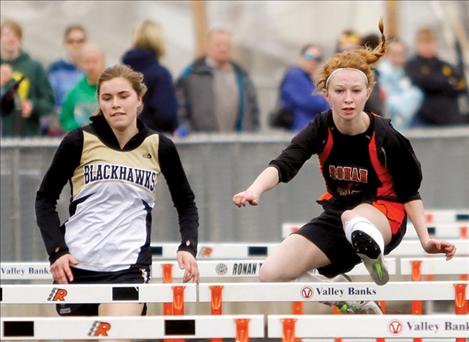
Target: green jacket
{"x": 79, "y": 104}
{"x": 36, "y": 88}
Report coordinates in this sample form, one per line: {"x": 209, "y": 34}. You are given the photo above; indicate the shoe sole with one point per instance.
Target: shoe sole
{"x": 370, "y": 253}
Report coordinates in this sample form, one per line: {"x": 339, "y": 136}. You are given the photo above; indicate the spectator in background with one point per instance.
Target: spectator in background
{"x": 439, "y": 81}
{"x": 375, "y": 103}
{"x": 9, "y": 100}
{"x": 348, "y": 40}
{"x": 80, "y": 103}
{"x": 160, "y": 104}
{"x": 34, "y": 91}
{"x": 65, "y": 72}
{"x": 298, "y": 92}
{"x": 402, "y": 98}
{"x": 215, "y": 94}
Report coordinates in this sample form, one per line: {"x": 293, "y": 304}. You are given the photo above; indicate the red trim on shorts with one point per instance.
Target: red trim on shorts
{"x": 393, "y": 211}
{"x": 325, "y": 197}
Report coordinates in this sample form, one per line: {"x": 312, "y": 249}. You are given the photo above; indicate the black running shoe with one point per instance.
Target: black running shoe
{"x": 371, "y": 255}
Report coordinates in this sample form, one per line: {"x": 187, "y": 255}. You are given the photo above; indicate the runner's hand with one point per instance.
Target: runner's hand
{"x": 188, "y": 263}
{"x": 242, "y": 198}
{"x": 61, "y": 272}
{"x": 434, "y": 246}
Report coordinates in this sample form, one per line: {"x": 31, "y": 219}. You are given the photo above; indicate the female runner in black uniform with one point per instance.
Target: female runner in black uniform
{"x": 372, "y": 178}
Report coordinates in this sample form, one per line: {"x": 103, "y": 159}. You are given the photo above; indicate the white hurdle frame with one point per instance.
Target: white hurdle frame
{"x": 436, "y": 266}
{"x": 94, "y": 293}
{"x": 247, "y": 250}
{"x": 189, "y": 327}
{"x": 247, "y": 268}
{"x": 386, "y": 326}
{"x": 440, "y": 230}
{"x": 322, "y": 292}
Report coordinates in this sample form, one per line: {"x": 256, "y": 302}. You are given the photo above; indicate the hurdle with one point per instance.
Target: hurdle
{"x": 289, "y": 327}
{"x": 442, "y": 223}
{"x": 247, "y": 250}
{"x": 241, "y": 327}
{"x": 330, "y": 291}
{"x": 414, "y": 248}
{"x": 216, "y": 250}
{"x": 445, "y": 230}
{"x": 218, "y": 293}
{"x": 416, "y": 267}
{"x": 247, "y": 268}
{"x": 435, "y": 265}
{"x": 97, "y": 293}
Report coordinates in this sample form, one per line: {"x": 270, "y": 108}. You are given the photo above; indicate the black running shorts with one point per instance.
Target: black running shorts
{"x": 326, "y": 232}
{"x": 130, "y": 276}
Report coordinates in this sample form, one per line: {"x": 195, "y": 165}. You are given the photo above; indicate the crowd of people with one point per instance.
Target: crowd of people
{"x": 214, "y": 93}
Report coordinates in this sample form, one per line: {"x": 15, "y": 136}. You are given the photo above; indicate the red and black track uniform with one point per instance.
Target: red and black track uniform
{"x": 378, "y": 167}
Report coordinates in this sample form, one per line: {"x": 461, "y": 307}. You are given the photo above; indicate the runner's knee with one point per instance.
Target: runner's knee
{"x": 270, "y": 273}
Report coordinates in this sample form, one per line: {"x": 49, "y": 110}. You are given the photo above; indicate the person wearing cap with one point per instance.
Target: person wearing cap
{"x": 298, "y": 91}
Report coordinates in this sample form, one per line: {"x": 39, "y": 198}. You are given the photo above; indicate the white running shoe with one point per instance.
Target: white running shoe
{"x": 372, "y": 256}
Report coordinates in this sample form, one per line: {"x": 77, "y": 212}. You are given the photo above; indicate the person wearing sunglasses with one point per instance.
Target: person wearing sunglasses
{"x": 298, "y": 91}
{"x": 65, "y": 72}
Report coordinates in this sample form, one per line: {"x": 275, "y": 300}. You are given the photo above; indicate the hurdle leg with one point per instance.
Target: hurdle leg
{"x": 336, "y": 311}
{"x": 168, "y": 278}
{"x": 242, "y": 330}
{"x": 382, "y": 305}
{"x": 463, "y": 235}
{"x": 178, "y": 304}
{"x": 298, "y": 309}
{"x": 216, "y": 304}
{"x": 178, "y": 300}
{"x": 460, "y": 303}
{"x": 288, "y": 330}
{"x": 417, "y": 305}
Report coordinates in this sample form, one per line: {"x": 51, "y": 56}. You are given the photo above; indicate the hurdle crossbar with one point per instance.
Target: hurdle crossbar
{"x": 101, "y": 327}
{"x": 207, "y": 268}
{"x": 319, "y": 292}
{"x": 452, "y": 230}
{"x": 370, "y": 326}
{"x": 94, "y": 293}
{"x": 247, "y": 250}
{"x": 411, "y": 248}
{"x": 436, "y": 266}
{"x": 217, "y": 250}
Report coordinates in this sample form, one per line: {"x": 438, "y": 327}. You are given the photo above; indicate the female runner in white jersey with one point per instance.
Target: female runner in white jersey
{"x": 112, "y": 166}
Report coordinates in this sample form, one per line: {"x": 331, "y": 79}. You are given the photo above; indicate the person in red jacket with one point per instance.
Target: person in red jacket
{"x": 372, "y": 178}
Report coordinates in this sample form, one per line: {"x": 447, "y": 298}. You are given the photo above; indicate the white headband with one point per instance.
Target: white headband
{"x": 340, "y": 69}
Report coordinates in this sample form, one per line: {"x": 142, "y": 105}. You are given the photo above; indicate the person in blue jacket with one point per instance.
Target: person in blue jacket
{"x": 160, "y": 104}
{"x": 298, "y": 91}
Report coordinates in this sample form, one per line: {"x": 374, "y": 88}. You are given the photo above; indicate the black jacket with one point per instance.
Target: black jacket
{"x": 442, "y": 85}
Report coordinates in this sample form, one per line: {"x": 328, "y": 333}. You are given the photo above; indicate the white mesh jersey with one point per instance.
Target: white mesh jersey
{"x": 114, "y": 192}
